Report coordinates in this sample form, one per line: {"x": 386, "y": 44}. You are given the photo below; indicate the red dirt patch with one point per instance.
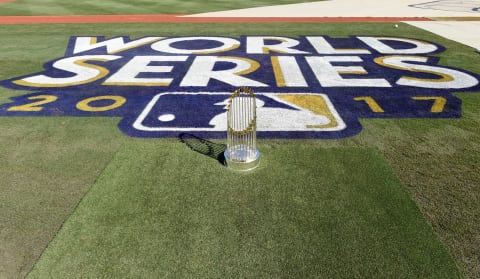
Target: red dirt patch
{"x": 182, "y": 18}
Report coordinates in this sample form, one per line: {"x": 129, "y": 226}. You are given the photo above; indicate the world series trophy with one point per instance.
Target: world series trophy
{"x": 241, "y": 153}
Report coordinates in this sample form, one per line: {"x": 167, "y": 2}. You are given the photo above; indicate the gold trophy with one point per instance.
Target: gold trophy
{"x": 241, "y": 153}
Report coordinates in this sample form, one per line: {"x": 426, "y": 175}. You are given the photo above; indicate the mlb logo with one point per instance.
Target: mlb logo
{"x": 206, "y": 112}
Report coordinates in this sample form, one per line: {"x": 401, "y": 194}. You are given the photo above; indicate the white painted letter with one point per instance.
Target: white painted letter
{"x": 80, "y": 72}
{"x": 226, "y": 44}
{"x": 257, "y": 45}
{"x": 287, "y": 72}
{"x": 202, "y": 71}
{"x": 446, "y": 78}
{"x": 329, "y": 75}
{"x": 113, "y": 46}
{"x": 322, "y": 46}
{"x": 417, "y": 47}
{"x": 127, "y": 75}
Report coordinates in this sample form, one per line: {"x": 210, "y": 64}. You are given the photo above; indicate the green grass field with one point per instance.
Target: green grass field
{"x": 79, "y": 199}
{"x": 58, "y": 7}
{"x": 296, "y": 216}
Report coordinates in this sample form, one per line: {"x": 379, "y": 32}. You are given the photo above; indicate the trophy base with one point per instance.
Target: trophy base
{"x": 239, "y": 158}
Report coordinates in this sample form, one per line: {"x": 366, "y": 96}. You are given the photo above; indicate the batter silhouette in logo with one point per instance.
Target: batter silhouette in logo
{"x": 277, "y": 119}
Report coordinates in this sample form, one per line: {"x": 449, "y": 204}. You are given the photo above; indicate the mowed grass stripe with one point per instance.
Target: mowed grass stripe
{"x": 48, "y": 165}
{"x": 162, "y": 210}
{"x": 59, "y": 7}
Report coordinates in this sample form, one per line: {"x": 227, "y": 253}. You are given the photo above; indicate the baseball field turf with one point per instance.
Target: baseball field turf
{"x": 84, "y": 195}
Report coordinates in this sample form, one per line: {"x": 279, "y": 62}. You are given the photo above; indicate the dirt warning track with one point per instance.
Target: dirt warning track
{"x": 154, "y": 18}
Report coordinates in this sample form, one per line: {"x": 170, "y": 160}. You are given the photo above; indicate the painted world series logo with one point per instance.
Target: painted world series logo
{"x": 306, "y": 87}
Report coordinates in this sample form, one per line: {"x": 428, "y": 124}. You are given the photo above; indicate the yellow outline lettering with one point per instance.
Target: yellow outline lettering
{"x": 84, "y": 105}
